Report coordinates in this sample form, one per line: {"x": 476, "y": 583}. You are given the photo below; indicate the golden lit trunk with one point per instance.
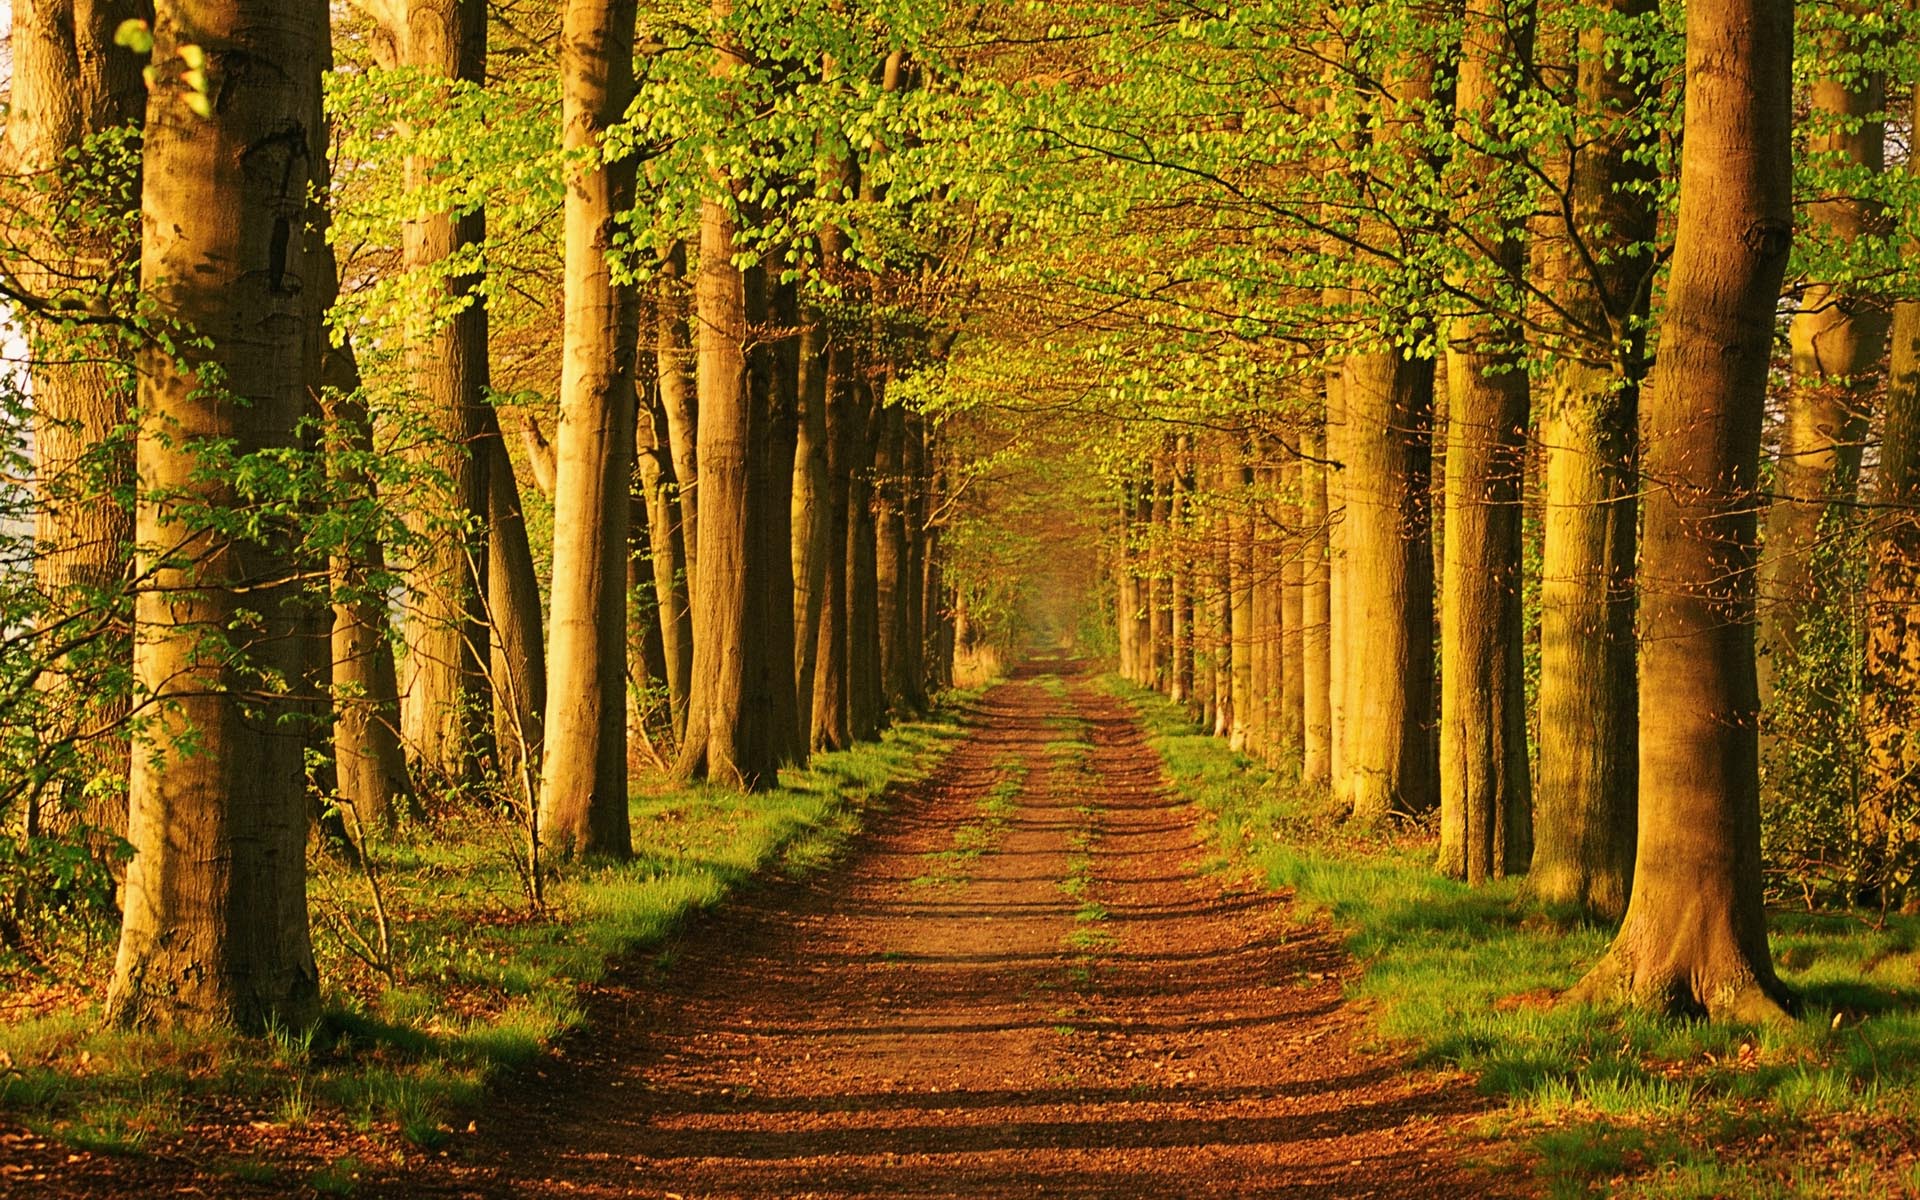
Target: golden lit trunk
{"x": 215, "y": 929}
{"x": 1694, "y": 937}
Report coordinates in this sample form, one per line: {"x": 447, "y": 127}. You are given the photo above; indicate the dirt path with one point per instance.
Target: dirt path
{"x": 1019, "y": 985}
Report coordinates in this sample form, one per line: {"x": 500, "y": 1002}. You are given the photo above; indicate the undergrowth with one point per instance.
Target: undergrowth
{"x": 478, "y": 981}
{"x": 1598, "y": 1102}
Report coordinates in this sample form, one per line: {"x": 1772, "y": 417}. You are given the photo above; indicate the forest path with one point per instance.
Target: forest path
{"x": 1019, "y": 983}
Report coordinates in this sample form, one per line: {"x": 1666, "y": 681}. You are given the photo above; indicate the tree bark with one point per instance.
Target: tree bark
{"x": 1485, "y": 807}
{"x": 1694, "y": 937}
{"x": 1890, "y": 708}
{"x": 812, "y": 507}
{"x": 674, "y": 359}
{"x": 1180, "y": 535}
{"x": 446, "y": 626}
{"x": 69, "y": 84}
{"x": 831, "y": 728}
{"x": 1317, "y": 681}
{"x": 1837, "y": 336}
{"x": 666, "y": 542}
{"x": 1587, "y": 780}
{"x": 1291, "y": 718}
{"x": 583, "y": 774}
{"x": 866, "y": 692}
{"x": 215, "y": 931}
{"x": 1388, "y": 664}
{"x": 517, "y": 649}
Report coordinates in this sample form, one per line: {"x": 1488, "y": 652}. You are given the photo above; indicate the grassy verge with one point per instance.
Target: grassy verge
{"x": 1598, "y": 1103}
{"x": 476, "y": 981}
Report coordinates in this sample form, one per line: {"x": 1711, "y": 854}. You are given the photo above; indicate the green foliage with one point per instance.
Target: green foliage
{"x": 1822, "y": 842}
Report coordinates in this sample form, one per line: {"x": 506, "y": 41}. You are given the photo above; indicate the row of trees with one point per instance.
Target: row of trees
{"x": 281, "y": 319}
{"x": 1527, "y": 443}
{"x": 811, "y": 327}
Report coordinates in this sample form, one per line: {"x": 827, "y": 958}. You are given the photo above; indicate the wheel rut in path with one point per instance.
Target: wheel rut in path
{"x": 1020, "y": 983}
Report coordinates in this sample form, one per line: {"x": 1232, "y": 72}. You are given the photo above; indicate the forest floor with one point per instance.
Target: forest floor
{"x": 1020, "y": 983}
{"x": 1023, "y": 979}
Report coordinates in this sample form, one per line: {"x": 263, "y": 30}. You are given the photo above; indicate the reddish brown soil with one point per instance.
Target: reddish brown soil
{"x": 870, "y": 1035}
{"x": 877, "y": 1032}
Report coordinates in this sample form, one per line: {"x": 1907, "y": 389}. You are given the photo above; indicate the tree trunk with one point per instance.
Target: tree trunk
{"x": 831, "y": 728}
{"x": 866, "y": 690}
{"x": 370, "y": 763}
{"x": 446, "y": 626}
{"x": 773, "y": 734}
{"x": 1388, "y": 666}
{"x": 1317, "y": 681}
{"x": 1837, "y": 337}
{"x": 1291, "y": 727}
{"x": 1181, "y": 551}
{"x": 1694, "y": 938}
{"x": 1220, "y": 600}
{"x": 1587, "y": 781}
{"x": 583, "y": 773}
{"x": 890, "y": 558}
{"x": 215, "y": 931}
{"x": 70, "y": 83}
{"x": 1235, "y": 483}
{"x": 666, "y": 541}
{"x": 517, "y": 650}
{"x": 812, "y": 507}
{"x": 674, "y": 359}
{"x": 713, "y": 749}
{"x": 1160, "y": 576}
{"x": 1484, "y": 803}
{"x": 1890, "y": 709}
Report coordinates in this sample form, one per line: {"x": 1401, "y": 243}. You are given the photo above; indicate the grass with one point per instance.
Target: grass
{"x": 993, "y": 815}
{"x": 480, "y": 982}
{"x": 1597, "y": 1102}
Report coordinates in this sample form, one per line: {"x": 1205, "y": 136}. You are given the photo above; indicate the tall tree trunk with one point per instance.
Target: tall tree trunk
{"x": 1386, "y": 446}
{"x": 1267, "y": 631}
{"x": 674, "y": 362}
{"x": 1890, "y": 711}
{"x": 866, "y": 693}
{"x": 70, "y": 83}
{"x": 215, "y": 931}
{"x": 1388, "y": 664}
{"x": 771, "y": 707}
{"x": 1837, "y": 336}
{"x": 917, "y": 516}
{"x": 1180, "y": 547}
{"x": 583, "y": 773}
{"x": 666, "y": 541}
{"x": 1587, "y": 780}
{"x": 370, "y": 763}
{"x": 812, "y": 507}
{"x": 517, "y": 649}
{"x": 1291, "y": 718}
{"x": 1485, "y": 807}
{"x": 1220, "y": 598}
{"x": 831, "y": 729}
{"x": 1694, "y": 937}
{"x": 446, "y": 625}
{"x": 1317, "y": 682}
{"x": 890, "y": 557}
{"x": 1235, "y": 483}
{"x": 1160, "y": 576}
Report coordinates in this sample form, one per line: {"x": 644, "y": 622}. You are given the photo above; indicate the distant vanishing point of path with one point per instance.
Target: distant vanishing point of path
{"x": 1020, "y": 983}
